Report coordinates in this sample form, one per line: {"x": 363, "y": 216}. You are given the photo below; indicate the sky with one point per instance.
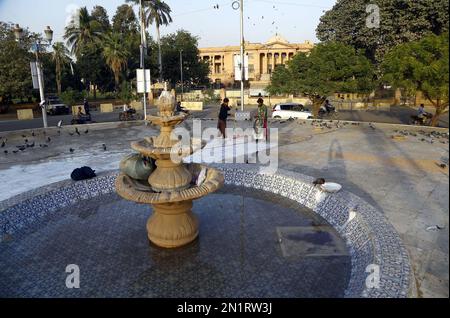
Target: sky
{"x": 296, "y": 20}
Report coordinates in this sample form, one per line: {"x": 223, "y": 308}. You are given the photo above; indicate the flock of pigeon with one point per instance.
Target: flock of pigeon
{"x": 38, "y": 140}
{"x": 429, "y": 137}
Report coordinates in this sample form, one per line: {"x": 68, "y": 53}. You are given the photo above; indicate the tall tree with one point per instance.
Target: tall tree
{"x": 156, "y": 12}
{"x": 100, "y": 14}
{"x": 60, "y": 58}
{"x": 422, "y": 65}
{"x": 15, "y": 78}
{"x": 195, "y": 71}
{"x": 124, "y": 20}
{"x": 116, "y": 54}
{"x": 401, "y": 21}
{"x": 329, "y": 67}
{"x": 86, "y": 31}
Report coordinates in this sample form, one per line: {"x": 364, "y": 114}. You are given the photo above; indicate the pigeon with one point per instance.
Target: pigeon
{"x": 33, "y": 134}
{"x": 104, "y": 147}
{"x": 71, "y": 134}
{"x": 3, "y": 144}
{"x": 443, "y": 165}
{"x": 86, "y": 131}
{"x": 319, "y": 181}
{"x": 371, "y": 126}
{"x": 6, "y": 152}
{"x": 24, "y": 136}
{"x": 78, "y": 133}
{"x": 26, "y": 140}
{"x": 30, "y": 146}
{"x": 15, "y": 151}
{"x": 49, "y": 139}
{"x": 60, "y": 124}
{"x": 59, "y": 132}
{"x": 435, "y": 228}
{"x": 71, "y": 150}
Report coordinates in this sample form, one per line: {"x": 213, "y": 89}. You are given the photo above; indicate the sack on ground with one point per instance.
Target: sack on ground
{"x": 82, "y": 173}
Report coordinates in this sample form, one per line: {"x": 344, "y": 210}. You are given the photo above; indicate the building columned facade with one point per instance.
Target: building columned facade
{"x": 263, "y": 58}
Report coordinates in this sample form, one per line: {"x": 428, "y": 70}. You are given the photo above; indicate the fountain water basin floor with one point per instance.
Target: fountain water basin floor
{"x": 251, "y": 244}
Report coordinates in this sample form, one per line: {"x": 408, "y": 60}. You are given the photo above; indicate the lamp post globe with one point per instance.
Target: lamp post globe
{"x": 48, "y": 34}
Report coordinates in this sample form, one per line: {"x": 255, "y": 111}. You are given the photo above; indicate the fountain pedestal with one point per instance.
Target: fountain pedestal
{"x": 172, "y": 224}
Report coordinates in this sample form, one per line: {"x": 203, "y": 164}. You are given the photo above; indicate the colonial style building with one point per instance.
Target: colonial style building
{"x": 263, "y": 58}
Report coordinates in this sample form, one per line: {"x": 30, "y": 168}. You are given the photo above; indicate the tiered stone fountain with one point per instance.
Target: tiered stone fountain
{"x": 173, "y": 185}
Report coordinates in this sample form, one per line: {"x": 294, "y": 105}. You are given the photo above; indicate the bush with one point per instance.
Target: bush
{"x": 71, "y": 97}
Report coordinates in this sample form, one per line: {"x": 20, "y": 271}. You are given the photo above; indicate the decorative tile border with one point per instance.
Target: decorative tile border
{"x": 370, "y": 238}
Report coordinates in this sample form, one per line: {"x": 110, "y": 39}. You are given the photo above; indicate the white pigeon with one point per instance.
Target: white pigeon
{"x": 201, "y": 177}
{"x": 60, "y": 123}
{"x": 434, "y": 228}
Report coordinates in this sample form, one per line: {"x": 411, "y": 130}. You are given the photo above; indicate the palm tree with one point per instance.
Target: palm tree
{"x": 86, "y": 30}
{"x": 61, "y": 58}
{"x": 115, "y": 53}
{"x": 157, "y": 12}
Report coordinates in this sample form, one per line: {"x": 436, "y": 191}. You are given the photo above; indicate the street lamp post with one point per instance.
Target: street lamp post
{"x": 18, "y": 33}
{"x": 142, "y": 61}
{"x": 181, "y": 72}
{"x": 242, "y": 55}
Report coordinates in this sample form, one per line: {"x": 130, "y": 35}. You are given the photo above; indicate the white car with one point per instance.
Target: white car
{"x": 291, "y": 110}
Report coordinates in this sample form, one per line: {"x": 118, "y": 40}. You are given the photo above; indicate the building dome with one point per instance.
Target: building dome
{"x": 277, "y": 38}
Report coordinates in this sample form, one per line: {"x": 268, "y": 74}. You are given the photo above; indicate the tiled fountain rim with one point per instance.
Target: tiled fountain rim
{"x": 370, "y": 238}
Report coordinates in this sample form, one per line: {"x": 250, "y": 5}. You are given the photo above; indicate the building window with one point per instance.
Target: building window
{"x": 217, "y": 68}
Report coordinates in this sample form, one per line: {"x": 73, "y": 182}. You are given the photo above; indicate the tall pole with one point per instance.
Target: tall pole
{"x": 142, "y": 63}
{"x": 242, "y": 55}
{"x": 41, "y": 87}
{"x": 181, "y": 72}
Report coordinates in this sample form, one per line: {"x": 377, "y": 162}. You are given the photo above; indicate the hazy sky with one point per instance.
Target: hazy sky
{"x": 296, "y": 20}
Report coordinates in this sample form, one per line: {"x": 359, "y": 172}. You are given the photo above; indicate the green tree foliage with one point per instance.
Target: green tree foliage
{"x": 124, "y": 21}
{"x": 330, "y": 67}
{"x": 115, "y": 53}
{"x": 70, "y": 97}
{"x": 15, "y": 58}
{"x": 401, "y": 21}
{"x": 195, "y": 71}
{"x": 421, "y": 65}
{"x": 85, "y": 32}
{"x": 125, "y": 92}
{"x": 61, "y": 59}
{"x": 157, "y": 12}
{"x": 101, "y": 16}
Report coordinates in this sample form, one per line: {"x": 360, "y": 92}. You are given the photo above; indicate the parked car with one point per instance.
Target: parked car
{"x": 56, "y": 107}
{"x": 291, "y": 110}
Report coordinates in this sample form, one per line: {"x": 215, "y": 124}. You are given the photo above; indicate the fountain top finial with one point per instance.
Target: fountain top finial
{"x": 166, "y": 104}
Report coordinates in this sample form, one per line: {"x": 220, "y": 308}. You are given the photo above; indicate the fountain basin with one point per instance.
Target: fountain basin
{"x": 370, "y": 238}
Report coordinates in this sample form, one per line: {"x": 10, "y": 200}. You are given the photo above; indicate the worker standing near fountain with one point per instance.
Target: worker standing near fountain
{"x": 260, "y": 125}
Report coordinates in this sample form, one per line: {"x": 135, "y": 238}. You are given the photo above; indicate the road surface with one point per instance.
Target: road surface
{"x": 397, "y": 115}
